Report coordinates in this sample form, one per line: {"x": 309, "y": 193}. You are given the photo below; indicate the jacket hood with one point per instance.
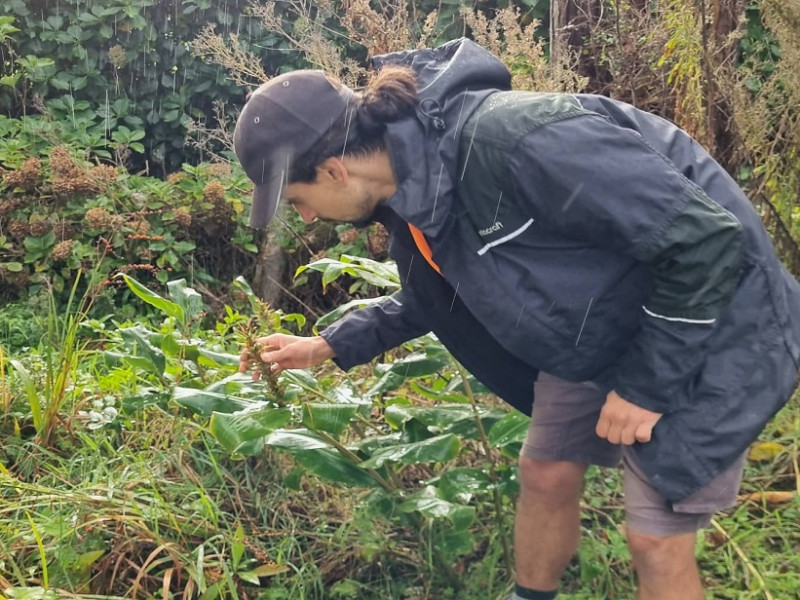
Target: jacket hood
{"x": 452, "y": 81}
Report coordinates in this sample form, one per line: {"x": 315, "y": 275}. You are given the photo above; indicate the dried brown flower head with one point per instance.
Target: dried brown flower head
{"x": 182, "y": 216}
{"x": 62, "y": 250}
{"x": 61, "y": 162}
{"x": 39, "y": 227}
{"x": 27, "y": 177}
{"x": 214, "y": 192}
{"x": 18, "y": 229}
{"x": 140, "y": 227}
{"x": 349, "y": 236}
{"x": 176, "y": 178}
{"x": 117, "y": 57}
{"x": 219, "y": 169}
{"x": 98, "y": 218}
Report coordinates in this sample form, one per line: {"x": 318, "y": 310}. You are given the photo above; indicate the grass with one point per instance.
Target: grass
{"x": 149, "y": 505}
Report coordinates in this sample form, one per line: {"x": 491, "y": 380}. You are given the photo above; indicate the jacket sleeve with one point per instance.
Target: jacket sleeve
{"x": 592, "y": 180}
{"x": 367, "y": 332}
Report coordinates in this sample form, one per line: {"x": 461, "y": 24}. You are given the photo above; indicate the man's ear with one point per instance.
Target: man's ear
{"x": 332, "y": 169}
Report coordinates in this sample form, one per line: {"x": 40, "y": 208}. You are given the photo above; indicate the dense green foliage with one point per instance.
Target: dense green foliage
{"x": 113, "y": 67}
{"x": 61, "y": 215}
{"x": 136, "y": 462}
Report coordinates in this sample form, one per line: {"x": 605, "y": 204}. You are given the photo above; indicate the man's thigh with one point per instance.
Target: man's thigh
{"x": 648, "y": 512}
{"x": 562, "y": 428}
{"x": 563, "y": 424}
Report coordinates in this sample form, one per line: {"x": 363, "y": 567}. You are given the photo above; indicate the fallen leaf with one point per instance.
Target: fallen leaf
{"x": 765, "y": 451}
{"x": 768, "y": 497}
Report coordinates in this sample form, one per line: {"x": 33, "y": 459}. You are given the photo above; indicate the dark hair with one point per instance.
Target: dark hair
{"x": 390, "y": 95}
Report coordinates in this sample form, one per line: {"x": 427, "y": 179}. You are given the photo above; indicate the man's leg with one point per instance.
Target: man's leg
{"x": 662, "y": 535}
{"x": 665, "y": 566}
{"x": 547, "y": 527}
{"x": 561, "y": 443}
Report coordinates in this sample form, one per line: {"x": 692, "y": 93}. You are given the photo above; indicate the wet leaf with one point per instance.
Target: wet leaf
{"x": 438, "y": 417}
{"x": 204, "y": 402}
{"x": 243, "y": 432}
{"x": 511, "y": 429}
{"x": 331, "y": 465}
{"x": 296, "y": 440}
{"x": 765, "y": 451}
{"x": 331, "y": 418}
{"x": 167, "y": 307}
{"x": 436, "y": 449}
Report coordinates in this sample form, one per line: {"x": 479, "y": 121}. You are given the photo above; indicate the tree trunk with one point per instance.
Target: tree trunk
{"x": 572, "y": 24}
{"x": 270, "y": 271}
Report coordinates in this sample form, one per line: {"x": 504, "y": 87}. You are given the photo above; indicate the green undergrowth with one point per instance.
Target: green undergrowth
{"x": 137, "y": 463}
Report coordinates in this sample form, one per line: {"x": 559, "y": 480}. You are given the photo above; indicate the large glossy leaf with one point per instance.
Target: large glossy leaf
{"x": 332, "y": 465}
{"x": 187, "y": 298}
{"x": 383, "y": 275}
{"x": 437, "y": 417}
{"x": 167, "y": 307}
{"x": 413, "y": 365}
{"x": 330, "y": 418}
{"x": 205, "y": 402}
{"x": 429, "y": 503}
{"x": 243, "y": 432}
{"x": 138, "y": 338}
{"x": 296, "y": 440}
{"x": 463, "y": 483}
{"x": 342, "y": 309}
{"x": 436, "y": 449}
{"x": 511, "y": 429}
{"x": 216, "y": 359}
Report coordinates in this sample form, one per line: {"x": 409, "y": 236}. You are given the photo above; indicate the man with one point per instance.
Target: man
{"x": 569, "y": 240}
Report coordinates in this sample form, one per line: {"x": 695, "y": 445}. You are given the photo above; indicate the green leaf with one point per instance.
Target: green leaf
{"x": 414, "y": 365}
{"x": 436, "y": 449}
{"x": 330, "y": 418}
{"x": 12, "y": 267}
{"x": 331, "y": 465}
{"x": 217, "y": 359}
{"x": 341, "y": 310}
{"x": 31, "y": 392}
{"x": 243, "y": 432}
{"x": 296, "y": 440}
{"x": 511, "y": 429}
{"x": 429, "y": 503}
{"x": 434, "y": 418}
{"x": 187, "y": 298}
{"x": 461, "y": 484}
{"x": 138, "y": 339}
{"x": 205, "y": 403}
{"x": 169, "y": 308}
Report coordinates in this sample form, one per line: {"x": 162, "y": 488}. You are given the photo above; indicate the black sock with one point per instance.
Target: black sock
{"x": 529, "y": 594}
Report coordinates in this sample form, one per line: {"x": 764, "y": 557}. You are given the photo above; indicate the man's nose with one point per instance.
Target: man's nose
{"x": 306, "y": 214}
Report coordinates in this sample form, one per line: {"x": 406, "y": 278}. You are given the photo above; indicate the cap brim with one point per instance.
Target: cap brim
{"x": 266, "y": 198}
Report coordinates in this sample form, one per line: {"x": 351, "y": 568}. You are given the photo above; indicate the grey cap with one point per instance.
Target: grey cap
{"x": 280, "y": 121}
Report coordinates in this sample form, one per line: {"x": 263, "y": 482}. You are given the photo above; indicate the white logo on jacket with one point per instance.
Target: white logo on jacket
{"x": 497, "y": 226}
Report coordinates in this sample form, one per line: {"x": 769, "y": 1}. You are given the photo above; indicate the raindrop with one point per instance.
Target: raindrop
{"x": 455, "y": 295}
{"x": 436, "y": 196}
{"x": 585, "y": 317}
{"x": 410, "y": 264}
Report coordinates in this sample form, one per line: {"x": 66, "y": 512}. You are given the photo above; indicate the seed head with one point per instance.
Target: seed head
{"x": 62, "y": 250}
{"x": 98, "y": 218}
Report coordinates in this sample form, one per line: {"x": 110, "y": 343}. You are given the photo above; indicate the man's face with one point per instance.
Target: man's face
{"x": 334, "y": 196}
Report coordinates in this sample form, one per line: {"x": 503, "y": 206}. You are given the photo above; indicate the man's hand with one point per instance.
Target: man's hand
{"x": 622, "y": 422}
{"x": 288, "y": 352}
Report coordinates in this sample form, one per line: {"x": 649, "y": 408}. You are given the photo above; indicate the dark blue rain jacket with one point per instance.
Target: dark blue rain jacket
{"x": 580, "y": 236}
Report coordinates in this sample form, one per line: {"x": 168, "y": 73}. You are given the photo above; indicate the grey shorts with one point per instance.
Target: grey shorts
{"x": 563, "y": 429}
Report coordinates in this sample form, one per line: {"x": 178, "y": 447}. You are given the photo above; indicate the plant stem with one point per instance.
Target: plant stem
{"x": 487, "y": 448}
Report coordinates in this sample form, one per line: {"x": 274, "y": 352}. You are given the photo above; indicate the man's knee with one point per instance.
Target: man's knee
{"x": 667, "y": 553}
{"x": 556, "y": 481}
